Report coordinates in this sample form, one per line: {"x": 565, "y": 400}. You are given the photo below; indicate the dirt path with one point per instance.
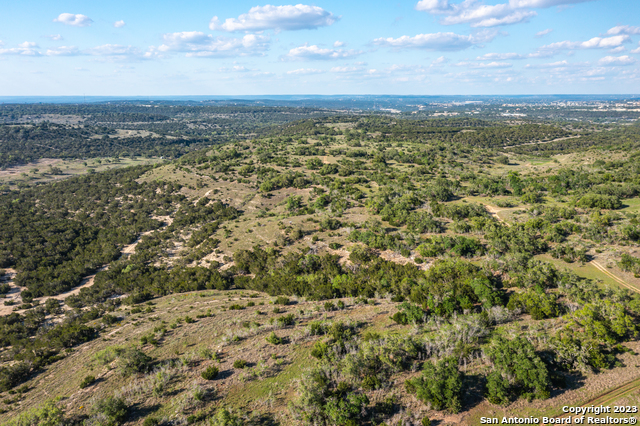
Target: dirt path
{"x": 495, "y": 210}
{"x": 618, "y": 280}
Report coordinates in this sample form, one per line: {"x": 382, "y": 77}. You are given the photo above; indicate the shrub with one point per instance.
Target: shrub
{"x": 113, "y": 408}
{"x": 133, "y": 361}
{"x": 87, "y": 381}
{"x": 13, "y": 375}
{"x": 151, "y": 421}
{"x": 48, "y": 414}
{"x": 189, "y": 320}
{"x": 281, "y": 300}
{"x": 210, "y": 372}
{"x": 608, "y": 202}
{"x": 498, "y": 389}
{"x": 440, "y": 385}
{"x": 224, "y": 417}
{"x": 517, "y": 359}
{"x": 239, "y": 363}
{"x": 236, "y": 307}
{"x": 274, "y": 339}
{"x": 286, "y": 320}
{"x": 108, "y": 319}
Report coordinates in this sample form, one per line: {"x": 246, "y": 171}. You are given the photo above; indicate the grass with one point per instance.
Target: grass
{"x": 586, "y": 271}
{"x": 14, "y": 175}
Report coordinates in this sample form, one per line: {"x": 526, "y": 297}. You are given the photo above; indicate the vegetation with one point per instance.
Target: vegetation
{"x": 340, "y": 269}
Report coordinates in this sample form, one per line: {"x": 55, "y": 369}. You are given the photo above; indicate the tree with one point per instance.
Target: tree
{"x": 440, "y": 385}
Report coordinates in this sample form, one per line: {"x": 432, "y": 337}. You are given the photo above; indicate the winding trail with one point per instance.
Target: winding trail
{"x": 617, "y": 279}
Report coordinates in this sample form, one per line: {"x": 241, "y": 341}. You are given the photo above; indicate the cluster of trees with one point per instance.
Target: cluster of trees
{"x": 53, "y": 235}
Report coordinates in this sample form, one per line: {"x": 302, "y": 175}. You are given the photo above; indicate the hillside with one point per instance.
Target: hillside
{"x": 367, "y": 270}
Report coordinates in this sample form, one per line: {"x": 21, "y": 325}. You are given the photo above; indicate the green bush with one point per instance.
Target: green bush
{"x": 274, "y": 339}
{"x": 286, "y": 320}
{"x": 113, "y": 408}
{"x": 440, "y": 385}
{"x": 517, "y": 360}
{"x": 281, "y": 300}
{"x": 239, "y": 363}
{"x": 87, "y": 381}
{"x": 48, "y": 414}
{"x": 131, "y": 361}
{"x": 210, "y": 372}
{"x": 109, "y": 319}
{"x": 224, "y": 417}
{"x": 608, "y": 202}
{"x": 151, "y": 421}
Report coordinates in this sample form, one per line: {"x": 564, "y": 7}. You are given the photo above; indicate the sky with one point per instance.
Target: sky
{"x": 407, "y": 47}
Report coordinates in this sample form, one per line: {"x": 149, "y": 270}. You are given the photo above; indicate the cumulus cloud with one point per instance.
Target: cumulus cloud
{"x": 478, "y": 14}
{"x": 624, "y": 29}
{"x": 437, "y": 41}
{"x": 338, "y": 43}
{"x": 305, "y": 71}
{"x": 543, "y": 32}
{"x": 54, "y": 37}
{"x": 77, "y": 20}
{"x": 279, "y": 18}
{"x": 63, "y": 51}
{"x": 637, "y": 49}
{"x": 346, "y": 69}
{"x": 27, "y": 48}
{"x": 313, "y": 52}
{"x": 119, "y": 24}
{"x": 199, "y": 44}
{"x": 593, "y": 43}
{"x": 616, "y": 60}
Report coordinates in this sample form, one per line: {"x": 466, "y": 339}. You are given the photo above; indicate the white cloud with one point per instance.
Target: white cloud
{"x": 27, "y": 48}
{"x": 543, "y": 32}
{"x": 478, "y": 14}
{"x": 236, "y": 68}
{"x": 499, "y": 56}
{"x": 279, "y": 18}
{"x": 624, "y": 29}
{"x": 74, "y": 20}
{"x": 119, "y": 24}
{"x": 113, "y": 50}
{"x": 617, "y": 60}
{"x": 345, "y": 70}
{"x": 338, "y": 43}
{"x": 493, "y": 64}
{"x": 54, "y": 37}
{"x": 305, "y": 71}
{"x": 637, "y": 49}
{"x": 63, "y": 51}
{"x": 593, "y": 43}
{"x": 198, "y": 44}
{"x": 439, "y": 61}
{"x": 437, "y": 41}
{"x": 314, "y": 52}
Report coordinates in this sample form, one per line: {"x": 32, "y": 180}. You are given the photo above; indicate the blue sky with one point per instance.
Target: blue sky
{"x": 418, "y": 47}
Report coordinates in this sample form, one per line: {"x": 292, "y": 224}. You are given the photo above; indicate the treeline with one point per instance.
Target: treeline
{"x": 25, "y": 144}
